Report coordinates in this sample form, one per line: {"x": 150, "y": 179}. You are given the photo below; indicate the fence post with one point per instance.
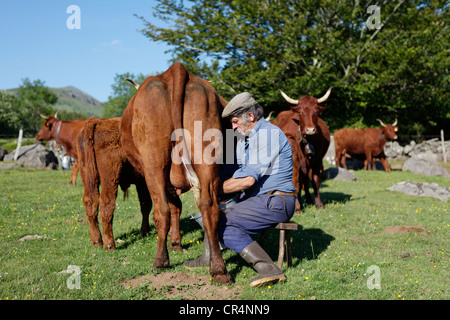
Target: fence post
{"x": 16, "y": 155}
{"x": 444, "y": 154}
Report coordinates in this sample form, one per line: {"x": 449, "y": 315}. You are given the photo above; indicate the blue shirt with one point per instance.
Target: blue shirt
{"x": 265, "y": 155}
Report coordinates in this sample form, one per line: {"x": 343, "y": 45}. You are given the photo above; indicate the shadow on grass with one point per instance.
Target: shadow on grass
{"x": 131, "y": 237}
{"x": 306, "y": 244}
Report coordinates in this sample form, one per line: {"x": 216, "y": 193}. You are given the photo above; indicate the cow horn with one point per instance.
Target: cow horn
{"x": 325, "y": 97}
{"x": 290, "y": 100}
{"x": 133, "y": 83}
{"x": 268, "y": 117}
{"x": 395, "y": 122}
{"x": 382, "y": 124}
{"x": 56, "y": 115}
{"x": 43, "y": 117}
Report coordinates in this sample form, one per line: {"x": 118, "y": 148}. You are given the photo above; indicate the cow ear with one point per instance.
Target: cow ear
{"x": 321, "y": 109}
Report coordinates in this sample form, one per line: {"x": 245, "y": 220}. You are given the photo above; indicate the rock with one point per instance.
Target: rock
{"x": 422, "y": 189}
{"x": 3, "y": 153}
{"x": 9, "y": 165}
{"x": 340, "y": 174}
{"x": 393, "y": 149}
{"x": 329, "y": 156}
{"x": 36, "y": 156}
{"x": 423, "y": 164}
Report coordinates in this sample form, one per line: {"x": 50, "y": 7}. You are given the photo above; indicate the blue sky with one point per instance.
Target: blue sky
{"x": 36, "y": 43}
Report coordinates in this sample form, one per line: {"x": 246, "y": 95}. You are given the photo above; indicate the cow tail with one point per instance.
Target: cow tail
{"x": 90, "y": 165}
{"x": 180, "y": 78}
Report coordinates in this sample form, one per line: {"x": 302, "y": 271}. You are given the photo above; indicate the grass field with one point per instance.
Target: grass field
{"x": 368, "y": 243}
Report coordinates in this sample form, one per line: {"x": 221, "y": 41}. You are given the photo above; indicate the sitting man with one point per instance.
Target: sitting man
{"x": 264, "y": 176}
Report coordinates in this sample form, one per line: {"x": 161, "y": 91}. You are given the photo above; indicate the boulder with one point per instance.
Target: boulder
{"x": 340, "y": 174}
{"x": 422, "y": 189}
{"x": 3, "y": 153}
{"x": 36, "y": 156}
{"x": 425, "y": 164}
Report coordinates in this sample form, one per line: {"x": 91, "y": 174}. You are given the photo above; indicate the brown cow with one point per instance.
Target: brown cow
{"x": 64, "y": 133}
{"x": 103, "y": 161}
{"x": 366, "y": 144}
{"x": 163, "y": 105}
{"x": 309, "y": 137}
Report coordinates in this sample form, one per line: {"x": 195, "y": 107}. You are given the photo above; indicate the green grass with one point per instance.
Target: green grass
{"x": 332, "y": 251}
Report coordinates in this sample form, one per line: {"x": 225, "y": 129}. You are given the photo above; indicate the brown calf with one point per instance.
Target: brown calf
{"x": 366, "y": 144}
{"x": 103, "y": 162}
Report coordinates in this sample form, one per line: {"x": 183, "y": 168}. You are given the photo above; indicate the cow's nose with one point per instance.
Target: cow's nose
{"x": 310, "y": 130}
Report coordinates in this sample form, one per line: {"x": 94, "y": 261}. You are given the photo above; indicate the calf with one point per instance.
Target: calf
{"x": 102, "y": 161}
{"x": 366, "y": 144}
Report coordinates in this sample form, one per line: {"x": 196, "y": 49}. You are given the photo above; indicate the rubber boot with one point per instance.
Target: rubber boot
{"x": 268, "y": 272}
{"x": 203, "y": 260}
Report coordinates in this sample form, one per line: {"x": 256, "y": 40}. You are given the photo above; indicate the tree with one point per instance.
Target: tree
{"x": 20, "y": 109}
{"x": 34, "y": 98}
{"x": 123, "y": 91}
{"x": 9, "y": 115}
{"x": 386, "y": 59}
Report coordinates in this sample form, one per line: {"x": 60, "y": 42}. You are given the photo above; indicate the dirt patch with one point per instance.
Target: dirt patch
{"x": 185, "y": 285}
{"x": 404, "y": 229}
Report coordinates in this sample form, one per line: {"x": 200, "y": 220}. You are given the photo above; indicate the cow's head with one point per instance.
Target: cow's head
{"x": 389, "y": 130}
{"x": 49, "y": 128}
{"x": 308, "y": 109}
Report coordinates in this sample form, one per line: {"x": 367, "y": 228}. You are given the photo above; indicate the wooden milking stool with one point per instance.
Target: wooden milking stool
{"x": 284, "y": 244}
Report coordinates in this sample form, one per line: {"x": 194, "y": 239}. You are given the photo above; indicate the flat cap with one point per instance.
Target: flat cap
{"x": 239, "y": 104}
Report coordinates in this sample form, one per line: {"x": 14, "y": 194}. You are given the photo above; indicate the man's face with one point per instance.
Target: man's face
{"x": 242, "y": 126}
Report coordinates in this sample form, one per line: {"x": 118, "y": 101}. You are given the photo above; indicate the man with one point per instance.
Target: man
{"x": 264, "y": 175}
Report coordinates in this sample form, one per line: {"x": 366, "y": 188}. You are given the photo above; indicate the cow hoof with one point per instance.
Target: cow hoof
{"x": 175, "y": 246}
{"x": 161, "y": 264}
{"x": 111, "y": 247}
{"x": 222, "y": 279}
{"x": 97, "y": 244}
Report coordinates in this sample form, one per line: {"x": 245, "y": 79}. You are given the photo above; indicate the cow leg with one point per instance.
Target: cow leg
{"x": 161, "y": 219}
{"x": 338, "y": 158}
{"x": 295, "y": 147}
{"x": 73, "y": 174}
{"x": 156, "y": 184}
{"x": 108, "y": 198}
{"x": 90, "y": 201}
{"x": 210, "y": 216}
{"x": 368, "y": 163}
{"x": 315, "y": 181}
{"x": 384, "y": 161}
{"x": 175, "y": 212}
{"x": 145, "y": 202}
{"x": 298, "y": 193}
{"x": 304, "y": 183}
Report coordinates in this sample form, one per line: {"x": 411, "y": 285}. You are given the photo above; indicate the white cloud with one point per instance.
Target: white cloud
{"x": 115, "y": 44}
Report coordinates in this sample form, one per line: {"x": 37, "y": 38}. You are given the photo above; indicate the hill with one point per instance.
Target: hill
{"x": 72, "y": 99}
